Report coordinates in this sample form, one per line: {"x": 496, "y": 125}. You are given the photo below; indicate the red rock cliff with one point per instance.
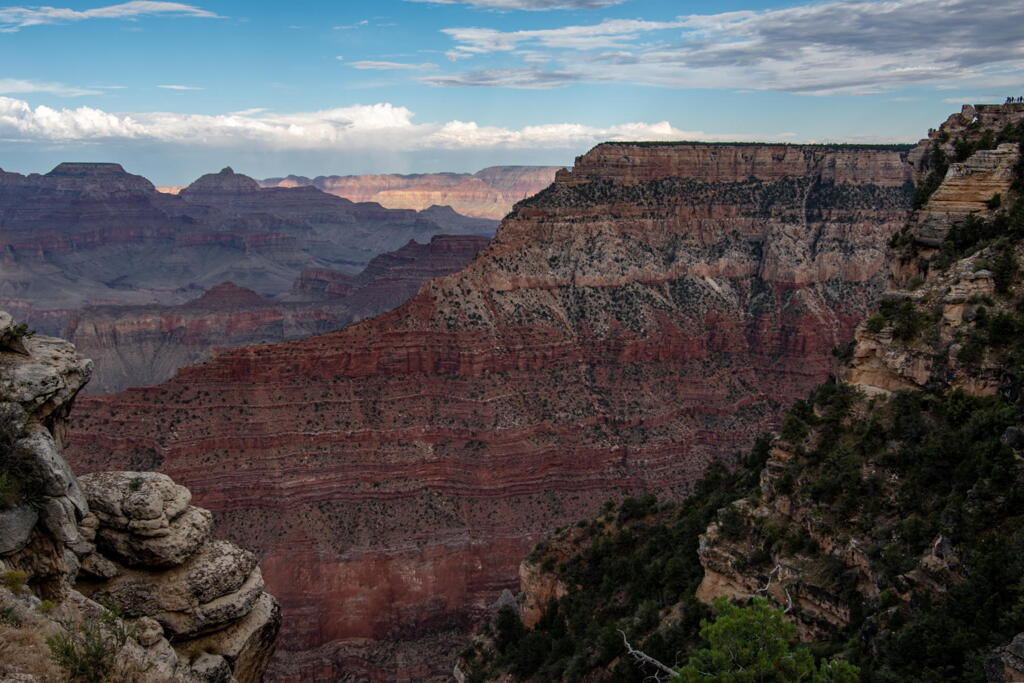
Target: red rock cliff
{"x": 650, "y": 311}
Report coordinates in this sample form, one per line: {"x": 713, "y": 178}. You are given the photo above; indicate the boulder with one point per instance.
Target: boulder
{"x": 212, "y": 668}
{"x": 247, "y": 644}
{"x": 16, "y": 526}
{"x": 218, "y": 584}
{"x": 145, "y": 518}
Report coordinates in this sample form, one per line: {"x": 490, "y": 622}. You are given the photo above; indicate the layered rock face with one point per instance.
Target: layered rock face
{"x": 146, "y": 345}
{"x": 189, "y": 607}
{"x": 92, "y": 234}
{"x": 948, "y": 329}
{"x": 647, "y": 313}
{"x": 973, "y": 179}
{"x": 489, "y": 193}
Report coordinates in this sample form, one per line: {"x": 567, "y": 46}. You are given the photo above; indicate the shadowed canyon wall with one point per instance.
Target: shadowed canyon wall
{"x": 145, "y": 345}
{"x": 92, "y": 234}
{"x": 650, "y": 311}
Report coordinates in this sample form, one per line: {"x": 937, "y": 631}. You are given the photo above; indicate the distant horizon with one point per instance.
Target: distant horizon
{"x": 569, "y": 165}
{"x": 419, "y": 86}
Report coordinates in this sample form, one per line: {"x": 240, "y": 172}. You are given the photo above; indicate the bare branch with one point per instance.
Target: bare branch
{"x": 764, "y": 590}
{"x": 647, "y": 659}
{"x": 770, "y": 575}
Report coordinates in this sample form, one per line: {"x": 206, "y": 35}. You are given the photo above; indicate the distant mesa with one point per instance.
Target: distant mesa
{"x": 96, "y": 254}
{"x": 86, "y": 169}
{"x": 490, "y": 193}
{"x": 227, "y": 181}
{"x": 228, "y": 296}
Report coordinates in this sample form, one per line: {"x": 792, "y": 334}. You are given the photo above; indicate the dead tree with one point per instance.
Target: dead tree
{"x": 644, "y": 658}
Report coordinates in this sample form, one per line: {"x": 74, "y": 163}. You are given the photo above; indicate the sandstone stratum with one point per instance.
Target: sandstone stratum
{"x": 114, "y": 575}
{"x": 648, "y": 313}
{"x": 489, "y": 193}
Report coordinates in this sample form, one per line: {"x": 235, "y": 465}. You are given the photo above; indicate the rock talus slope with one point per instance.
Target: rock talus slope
{"x": 72, "y": 550}
{"x": 649, "y": 312}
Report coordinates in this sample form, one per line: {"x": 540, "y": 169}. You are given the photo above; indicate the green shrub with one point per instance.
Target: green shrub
{"x": 17, "y": 331}
{"x": 88, "y": 654}
{"x": 508, "y": 628}
{"x": 939, "y": 165}
{"x": 875, "y": 323}
{"x": 1004, "y": 270}
{"x": 907, "y": 322}
{"x": 793, "y": 428}
{"x": 14, "y": 581}
{"x": 9, "y": 616}
{"x": 755, "y": 643}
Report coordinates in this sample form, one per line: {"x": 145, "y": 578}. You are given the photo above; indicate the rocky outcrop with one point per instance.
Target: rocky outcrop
{"x": 220, "y": 188}
{"x": 42, "y": 502}
{"x": 928, "y": 280}
{"x": 625, "y": 328}
{"x": 156, "y": 559}
{"x": 1006, "y": 665}
{"x": 92, "y": 234}
{"x": 968, "y": 189}
{"x": 943, "y": 337}
{"x": 146, "y": 345}
{"x": 71, "y": 550}
{"x": 489, "y": 193}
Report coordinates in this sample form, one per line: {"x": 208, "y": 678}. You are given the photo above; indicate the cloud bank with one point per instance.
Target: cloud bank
{"x": 16, "y": 86}
{"x": 363, "y": 127}
{"x": 842, "y": 46}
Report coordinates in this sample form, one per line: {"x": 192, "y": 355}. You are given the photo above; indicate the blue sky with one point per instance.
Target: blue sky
{"x": 172, "y": 90}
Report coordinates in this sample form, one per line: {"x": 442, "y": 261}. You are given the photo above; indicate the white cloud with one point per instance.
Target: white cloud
{"x": 844, "y": 46}
{"x": 383, "y": 66}
{"x": 523, "y": 79}
{"x": 363, "y": 127}
{"x": 610, "y": 33}
{"x": 528, "y": 4}
{"x": 14, "y": 86}
{"x": 179, "y": 87}
{"x": 349, "y": 27}
{"x": 16, "y": 18}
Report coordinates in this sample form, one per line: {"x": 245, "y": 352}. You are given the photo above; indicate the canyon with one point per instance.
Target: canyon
{"x": 93, "y": 234}
{"x": 145, "y": 345}
{"x": 489, "y": 193}
{"x": 882, "y": 520}
{"x": 645, "y": 315}
{"x": 136, "y": 278}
